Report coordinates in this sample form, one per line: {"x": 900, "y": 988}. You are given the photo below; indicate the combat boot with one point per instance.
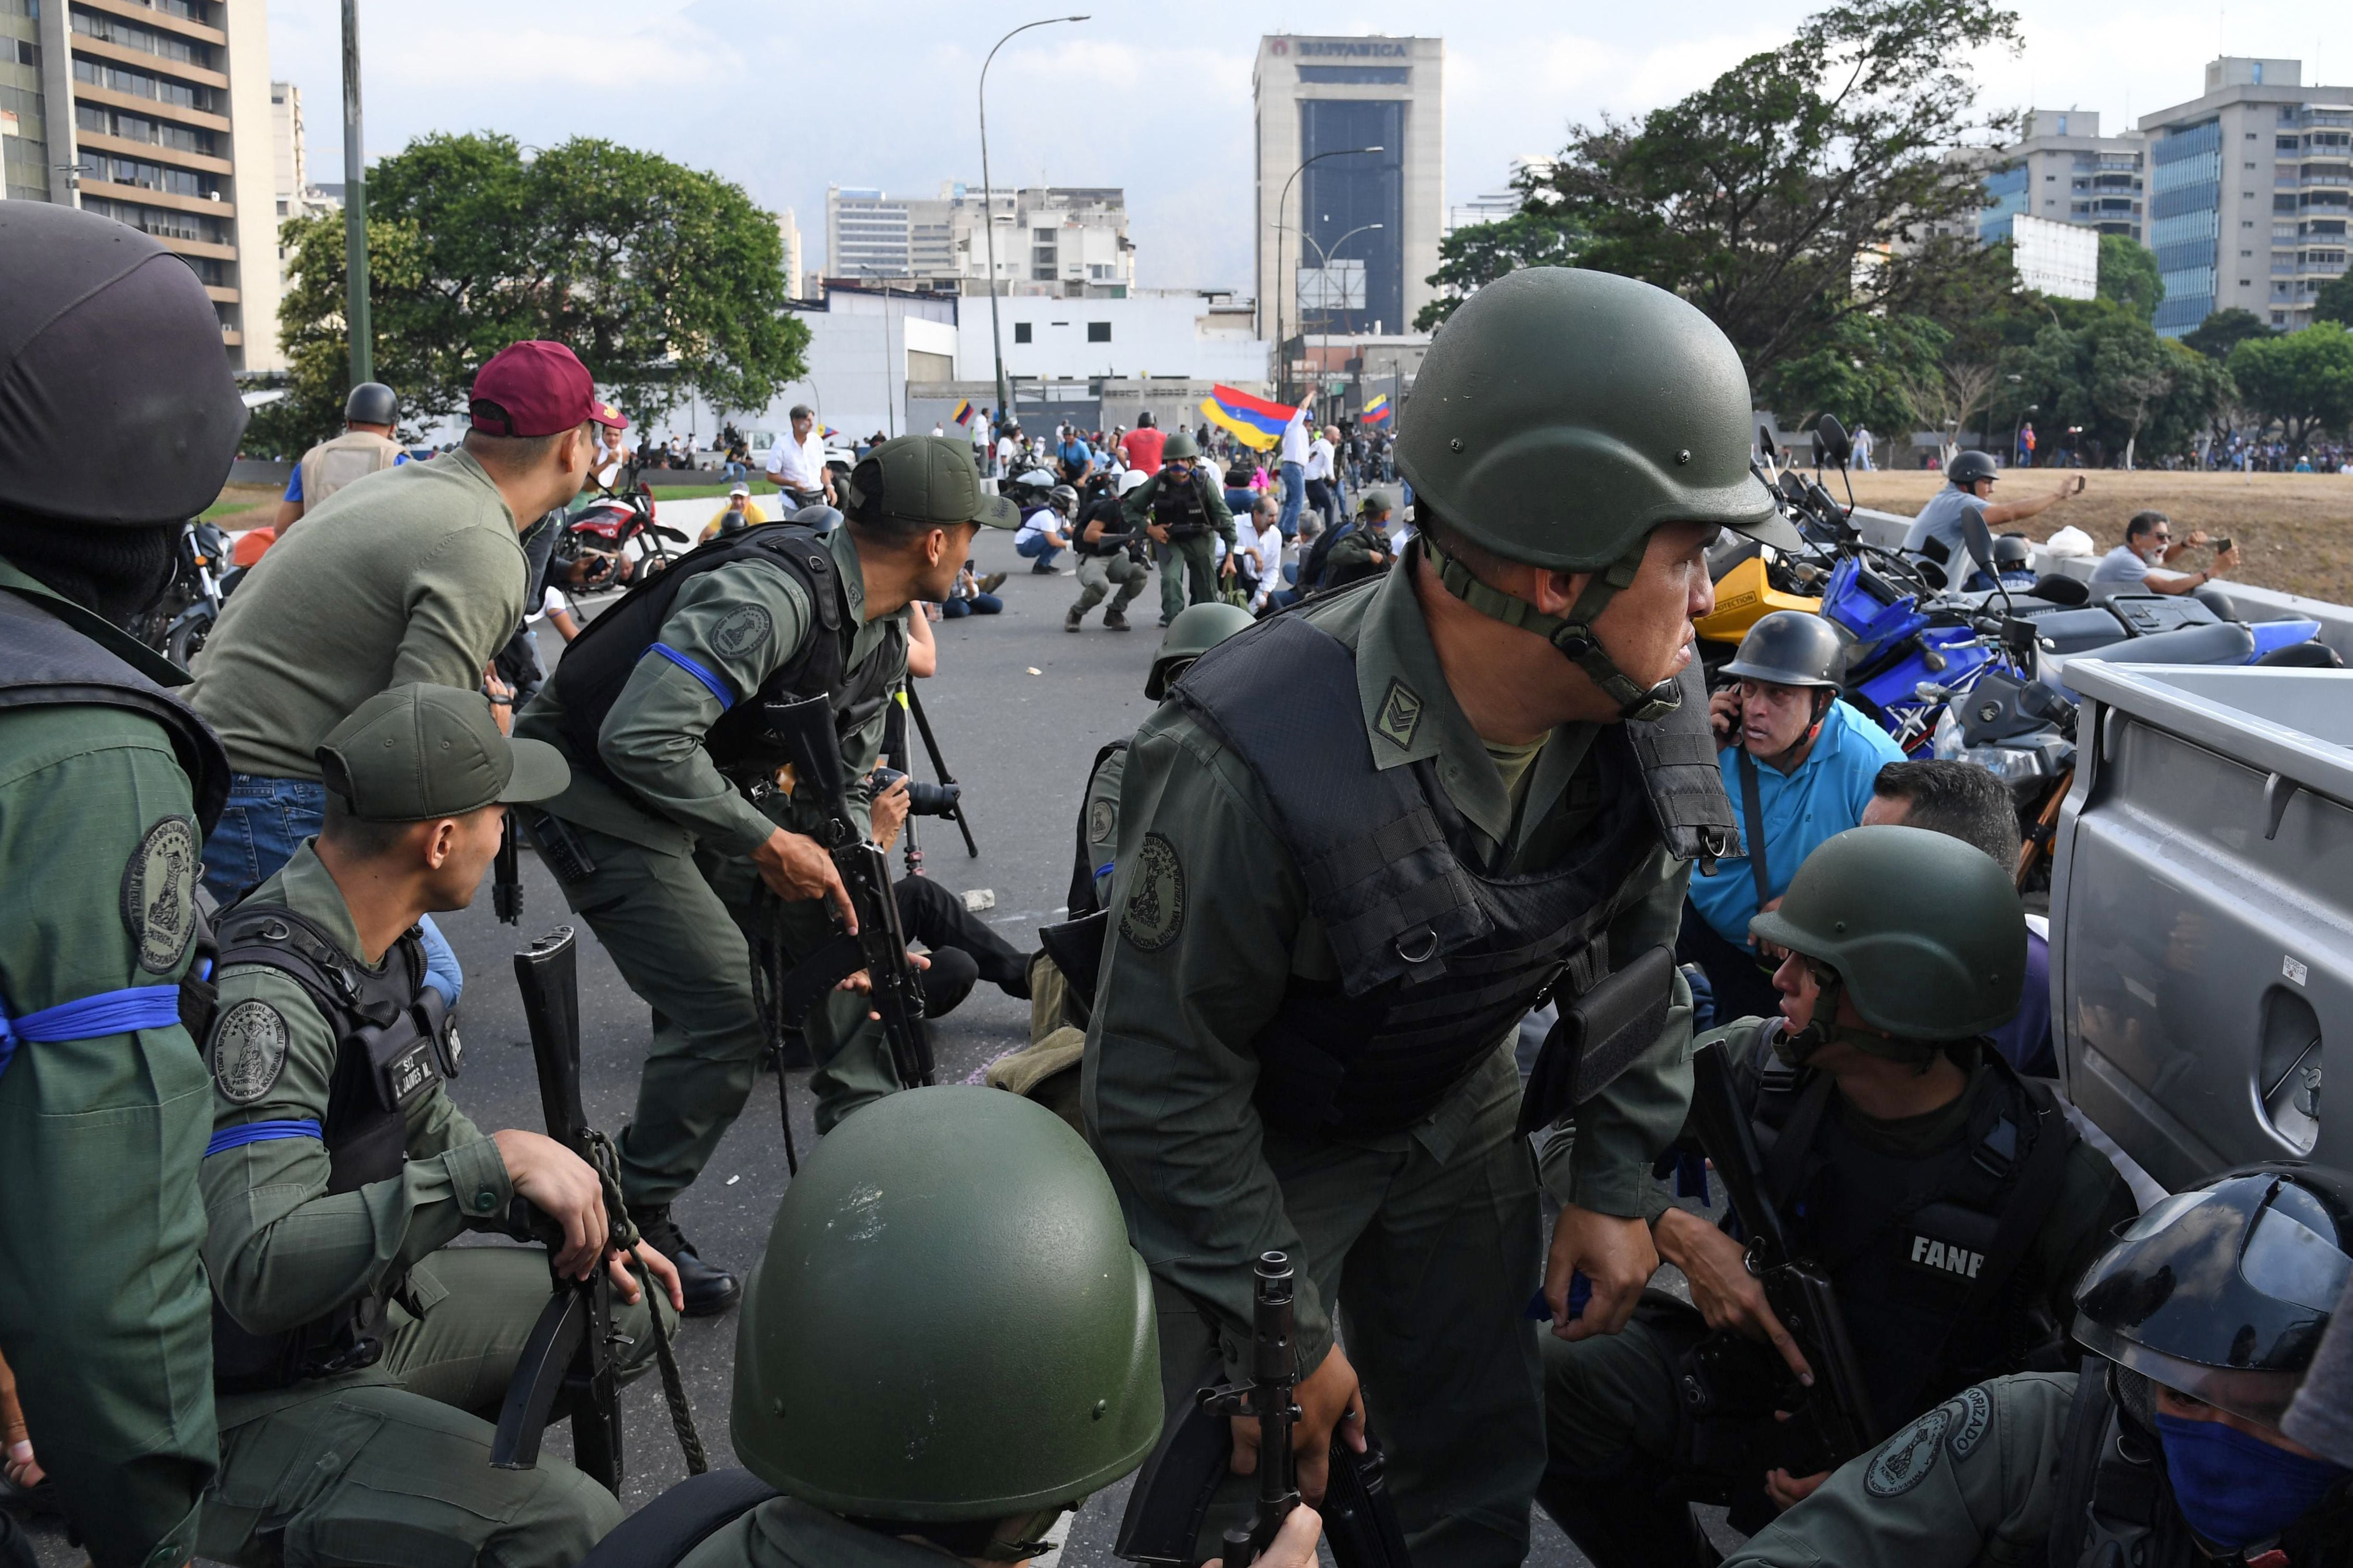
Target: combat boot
{"x": 1114, "y": 621}
{"x": 708, "y": 1288}
{"x": 1074, "y": 620}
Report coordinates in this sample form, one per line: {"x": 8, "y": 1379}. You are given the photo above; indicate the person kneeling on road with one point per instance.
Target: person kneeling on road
{"x": 1110, "y": 556}
{"x": 1041, "y": 1390}
{"x": 2166, "y": 1449}
{"x": 1045, "y": 533}
{"x": 1949, "y": 1200}
{"x": 353, "y": 1357}
{"x": 1799, "y": 763}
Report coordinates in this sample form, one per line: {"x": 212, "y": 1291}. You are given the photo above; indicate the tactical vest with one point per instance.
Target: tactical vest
{"x": 1438, "y": 959}
{"x": 354, "y": 455}
{"x": 1105, "y": 508}
{"x": 394, "y": 1045}
{"x": 1179, "y": 507}
{"x": 598, "y": 662}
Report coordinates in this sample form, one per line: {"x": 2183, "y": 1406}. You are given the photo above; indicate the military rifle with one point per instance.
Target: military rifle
{"x": 1835, "y": 1419}
{"x": 506, "y": 874}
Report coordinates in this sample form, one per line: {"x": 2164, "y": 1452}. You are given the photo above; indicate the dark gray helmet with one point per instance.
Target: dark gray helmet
{"x": 1791, "y": 647}
{"x": 818, "y": 517}
{"x": 2011, "y": 554}
{"x": 1971, "y": 466}
{"x": 1196, "y": 630}
{"x": 1065, "y": 498}
{"x": 372, "y": 402}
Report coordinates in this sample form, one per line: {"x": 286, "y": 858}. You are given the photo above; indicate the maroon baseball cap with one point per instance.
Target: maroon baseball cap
{"x": 537, "y": 388}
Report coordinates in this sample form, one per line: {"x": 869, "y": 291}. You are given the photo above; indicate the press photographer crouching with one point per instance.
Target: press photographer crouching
{"x": 962, "y": 948}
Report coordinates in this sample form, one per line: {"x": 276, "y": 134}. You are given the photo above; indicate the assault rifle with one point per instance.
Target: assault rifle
{"x": 1835, "y": 1419}
{"x": 804, "y": 729}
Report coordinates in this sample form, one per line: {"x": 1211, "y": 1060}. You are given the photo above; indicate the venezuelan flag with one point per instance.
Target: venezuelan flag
{"x": 1375, "y": 412}
{"x": 1253, "y": 421}
{"x": 964, "y": 412}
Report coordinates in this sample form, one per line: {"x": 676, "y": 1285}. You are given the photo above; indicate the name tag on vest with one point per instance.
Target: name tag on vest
{"x": 409, "y": 1072}
{"x": 1944, "y": 1258}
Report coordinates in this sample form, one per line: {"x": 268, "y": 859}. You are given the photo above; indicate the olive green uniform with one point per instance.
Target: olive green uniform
{"x": 785, "y": 1532}
{"x": 390, "y": 1464}
{"x": 1194, "y": 557}
{"x": 1427, "y": 1236}
{"x": 673, "y": 889}
{"x": 1605, "y": 1398}
{"x": 104, "y": 1316}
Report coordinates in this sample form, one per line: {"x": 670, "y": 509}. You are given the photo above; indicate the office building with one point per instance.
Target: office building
{"x": 157, "y": 115}
{"x": 788, "y": 231}
{"x": 2063, "y": 170}
{"x": 1350, "y": 237}
{"x": 2250, "y": 186}
{"x": 1488, "y": 206}
{"x": 290, "y": 164}
{"x": 1068, "y": 242}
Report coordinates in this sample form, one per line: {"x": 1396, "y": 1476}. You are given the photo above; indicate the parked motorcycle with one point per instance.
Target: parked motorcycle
{"x": 623, "y": 513}
{"x": 202, "y": 577}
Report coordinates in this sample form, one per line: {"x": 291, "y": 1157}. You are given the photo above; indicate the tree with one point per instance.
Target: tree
{"x": 2335, "y": 302}
{"x": 2096, "y": 366}
{"x": 2200, "y": 397}
{"x": 2130, "y": 374}
{"x": 2303, "y": 380}
{"x": 1864, "y": 370}
{"x": 1538, "y": 234}
{"x": 2128, "y": 275}
{"x": 668, "y": 282}
{"x": 1811, "y": 183}
{"x": 2224, "y": 331}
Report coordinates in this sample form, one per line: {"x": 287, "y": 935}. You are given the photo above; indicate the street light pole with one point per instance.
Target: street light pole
{"x": 988, "y": 205}
{"x": 355, "y": 252}
{"x": 1283, "y": 359}
{"x": 889, "y": 414}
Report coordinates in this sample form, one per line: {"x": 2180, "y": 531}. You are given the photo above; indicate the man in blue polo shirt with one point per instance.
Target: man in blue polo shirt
{"x": 365, "y": 446}
{"x": 1799, "y": 764}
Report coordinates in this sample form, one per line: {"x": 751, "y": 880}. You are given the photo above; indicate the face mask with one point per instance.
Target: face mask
{"x": 2235, "y": 1490}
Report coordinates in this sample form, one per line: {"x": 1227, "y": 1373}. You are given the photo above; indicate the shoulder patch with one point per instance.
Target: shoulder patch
{"x": 1400, "y": 715}
{"x": 745, "y": 627}
{"x": 248, "y": 1051}
{"x": 1904, "y": 1460}
{"x": 1103, "y": 820}
{"x": 159, "y": 894}
{"x": 1156, "y": 906}
{"x": 1976, "y": 1419}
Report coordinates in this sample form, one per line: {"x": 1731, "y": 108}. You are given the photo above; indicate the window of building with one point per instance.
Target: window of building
{"x": 1020, "y": 332}
{"x": 1041, "y": 256}
{"x": 1098, "y": 332}
{"x": 1363, "y": 75}
{"x": 1044, "y": 236}
{"x": 29, "y": 53}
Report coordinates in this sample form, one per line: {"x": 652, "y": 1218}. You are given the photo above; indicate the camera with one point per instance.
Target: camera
{"x": 922, "y": 799}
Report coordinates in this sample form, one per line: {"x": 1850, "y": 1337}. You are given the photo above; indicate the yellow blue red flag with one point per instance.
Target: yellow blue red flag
{"x": 1375, "y": 412}
{"x": 1255, "y": 422}
{"x": 964, "y": 412}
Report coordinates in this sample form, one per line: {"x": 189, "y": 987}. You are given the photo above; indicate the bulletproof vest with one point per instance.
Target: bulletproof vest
{"x": 1106, "y": 508}
{"x": 45, "y": 661}
{"x": 1928, "y": 1252}
{"x": 1178, "y": 507}
{"x": 598, "y": 662}
{"x": 1438, "y": 958}
{"x": 354, "y": 455}
{"x": 394, "y": 1045}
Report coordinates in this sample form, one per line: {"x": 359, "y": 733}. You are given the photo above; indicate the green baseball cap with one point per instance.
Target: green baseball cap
{"x": 926, "y": 480}
{"x": 417, "y": 753}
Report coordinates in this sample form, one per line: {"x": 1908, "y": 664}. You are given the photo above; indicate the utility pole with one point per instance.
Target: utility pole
{"x": 355, "y": 255}
{"x": 988, "y": 207}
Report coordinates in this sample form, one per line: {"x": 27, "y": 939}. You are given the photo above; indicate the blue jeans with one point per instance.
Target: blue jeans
{"x": 1295, "y": 490}
{"x": 978, "y": 604}
{"x": 734, "y": 470}
{"x": 1036, "y": 548}
{"x": 265, "y": 821}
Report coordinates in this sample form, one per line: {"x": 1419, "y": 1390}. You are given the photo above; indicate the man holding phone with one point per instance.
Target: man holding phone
{"x": 2136, "y": 566}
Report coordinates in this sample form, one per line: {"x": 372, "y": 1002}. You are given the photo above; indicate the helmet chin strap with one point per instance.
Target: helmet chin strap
{"x": 1796, "y": 1047}
{"x": 1779, "y": 761}
{"x": 1572, "y": 634}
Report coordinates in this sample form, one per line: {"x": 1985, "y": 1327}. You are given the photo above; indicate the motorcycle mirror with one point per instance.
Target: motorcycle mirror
{"x": 1837, "y": 446}
{"x": 1979, "y": 540}
{"x": 1765, "y": 441}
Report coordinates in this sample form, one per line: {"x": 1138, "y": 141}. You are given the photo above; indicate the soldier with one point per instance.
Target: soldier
{"x": 121, "y": 423}
{"x": 1180, "y": 508}
{"x": 2166, "y": 1450}
{"x": 1950, "y": 1200}
{"x": 1104, "y": 565}
{"x": 365, "y": 447}
{"x": 1368, "y": 837}
{"x": 654, "y": 842}
{"x": 339, "y": 1165}
{"x": 1039, "y": 1390}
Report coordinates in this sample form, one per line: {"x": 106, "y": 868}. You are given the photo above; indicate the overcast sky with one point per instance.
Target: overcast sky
{"x": 786, "y": 98}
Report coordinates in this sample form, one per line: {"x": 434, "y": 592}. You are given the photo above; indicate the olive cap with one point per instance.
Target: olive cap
{"x": 949, "y": 1323}
{"x": 117, "y": 406}
{"x": 1926, "y": 932}
{"x": 1562, "y": 415}
{"x": 419, "y": 751}
{"x": 1196, "y": 629}
{"x": 1791, "y": 647}
{"x": 926, "y": 480}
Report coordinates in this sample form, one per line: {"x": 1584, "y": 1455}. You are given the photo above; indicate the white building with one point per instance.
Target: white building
{"x": 1172, "y": 332}
{"x": 2061, "y": 259}
{"x": 789, "y": 232}
{"x": 296, "y": 197}
{"x": 1504, "y": 201}
{"x": 2063, "y": 170}
{"x": 1070, "y": 241}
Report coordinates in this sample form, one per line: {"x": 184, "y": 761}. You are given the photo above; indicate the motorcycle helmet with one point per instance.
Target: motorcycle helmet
{"x": 1065, "y": 499}
{"x": 1791, "y": 647}
{"x": 1971, "y": 466}
{"x": 2011, "y": 554}
{"x": 372, "y": 402}
{"x": 1132, "y": 481}
{"x": 818, "y": 517}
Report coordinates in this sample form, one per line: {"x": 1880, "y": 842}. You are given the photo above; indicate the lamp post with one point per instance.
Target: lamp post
{"x": 355, "y": 253}
{"x": 989, "y": 206}
{"x": 889, "y": 414}
{"x": 1283, "y": 359}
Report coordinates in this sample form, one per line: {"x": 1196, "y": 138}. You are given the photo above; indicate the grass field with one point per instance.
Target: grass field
{"x": 235, "y": 507}
{"x": 2294, "y": 531}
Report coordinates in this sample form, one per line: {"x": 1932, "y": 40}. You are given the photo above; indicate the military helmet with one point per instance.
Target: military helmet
{"x": 1971, "y": 466}
{"x": 949, "y": 1324}
{"x": 1562, "y": 415}
{"x": 1196, "y": 630}
{"x": 372, "y": 402}
{"x": 1791, "y": 647}
{"x": 1926, "y": 933}
{"x": 2221, "y": 1293}
{"x": 1180, "y": 444}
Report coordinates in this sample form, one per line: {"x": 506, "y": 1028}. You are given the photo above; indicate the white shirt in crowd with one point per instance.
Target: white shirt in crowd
{"x": 1007, "y": 448}
{"x": 798, "y": 466}
{"x": 1045, "y": 519}
{"x": 1294, "y": 438}
{"x": 1319, "y": 459}
{"x": 1265, "y": 552}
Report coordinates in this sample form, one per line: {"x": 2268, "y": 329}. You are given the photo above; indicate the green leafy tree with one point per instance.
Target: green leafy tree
{"x": 1538, "y": 234}
{"x": 2128, "y": 275}
{"x": 2098, "y": 367}
{"x": 2224, "y": 331}
{"x": 2335, "y": 302}
{"x": 2303, "y": 380}
{"x": 1865, "y": 371}
{"x": 667, "y": 281}
{"x": 2201, "y": 395}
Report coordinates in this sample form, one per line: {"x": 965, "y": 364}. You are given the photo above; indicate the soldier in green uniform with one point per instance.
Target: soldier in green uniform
{"x": 657, "y": 706}
{"x": 2166, "y": 1450}
{"x": 354, "y": 1358}
{"x": 1180, "y": 508}
{"x": 965, "y": 1436}
{"x": 119, "y": 422}
{"x": 1364, "y": 840}
{"x": 1949, "y": 1199}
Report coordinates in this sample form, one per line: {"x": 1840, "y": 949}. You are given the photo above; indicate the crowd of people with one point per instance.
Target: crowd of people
{"x": 1472, "y": 774}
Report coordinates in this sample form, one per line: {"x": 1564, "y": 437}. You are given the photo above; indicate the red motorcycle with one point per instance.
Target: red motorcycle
{"x": 600, "y": 532}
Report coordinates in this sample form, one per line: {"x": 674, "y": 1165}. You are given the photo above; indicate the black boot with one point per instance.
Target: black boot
{"x": 709, "y": 1290}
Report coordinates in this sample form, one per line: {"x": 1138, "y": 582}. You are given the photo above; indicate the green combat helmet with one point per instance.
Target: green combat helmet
{"x": 949, "y": 1330}
{"x": 1196, "y": 630}
{"x": 1180, "y": 444}
{"x": 1926, "y": 936}
{"x": 1561, "y": 418}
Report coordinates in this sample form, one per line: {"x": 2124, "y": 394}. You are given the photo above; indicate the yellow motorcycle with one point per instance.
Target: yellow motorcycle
{"x": 1747, "y": 593}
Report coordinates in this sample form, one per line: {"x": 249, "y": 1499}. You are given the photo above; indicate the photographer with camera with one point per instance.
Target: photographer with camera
{"x": 962, "y": 950}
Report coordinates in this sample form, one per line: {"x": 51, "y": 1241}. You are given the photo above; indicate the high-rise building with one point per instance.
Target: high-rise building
{"x": 1069, "y": 241}
{"x": 1488, "y": 206}
{"x": 1350, "y": 236}
{"x": 2251, "y": 187}
{"x": 788, "y": 230}
{"x": 155, "y": 114}
{"x": 296, "y": 197}
{"x": 2063, "y": 170}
